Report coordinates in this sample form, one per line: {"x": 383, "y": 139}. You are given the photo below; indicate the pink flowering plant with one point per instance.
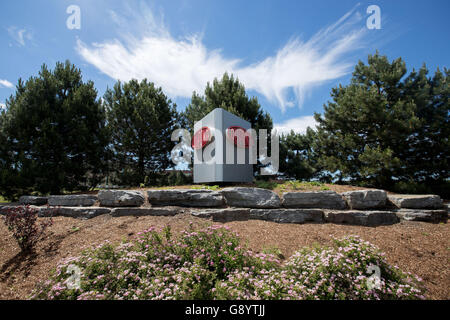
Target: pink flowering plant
{"x": 211, "y": 264}
{"x": 339, "y": 272}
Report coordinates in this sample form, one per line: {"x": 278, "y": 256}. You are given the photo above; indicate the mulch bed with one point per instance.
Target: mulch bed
{"x": 420, "y": 248}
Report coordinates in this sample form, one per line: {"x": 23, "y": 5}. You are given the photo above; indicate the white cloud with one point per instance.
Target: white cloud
{"x": 180, "y": 66}
{"x": 20, "y": 35}
{"x": 5, "y": 83}
{"x": 2, "y": 105}
{"x": 299, "y": 125}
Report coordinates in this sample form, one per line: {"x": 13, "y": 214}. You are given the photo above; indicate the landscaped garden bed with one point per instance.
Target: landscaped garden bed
{"x": 416, "y": 247}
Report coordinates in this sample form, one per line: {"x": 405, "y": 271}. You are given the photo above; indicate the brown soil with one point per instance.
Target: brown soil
{"x": 420, "y": 248}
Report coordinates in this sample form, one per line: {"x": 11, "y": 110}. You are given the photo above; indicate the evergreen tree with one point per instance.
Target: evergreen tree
{"x": 141, "y": 120}
{"x": 296, "y": 155}
{"x": 428, "y": 155}
{"x": 381, "y": 129}
{"x": 52, "y": 133}
{"x": 228, "y": 94}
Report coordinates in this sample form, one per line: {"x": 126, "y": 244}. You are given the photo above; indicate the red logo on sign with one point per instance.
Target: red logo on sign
{"x": 201, "y": 138}
{"x": 239, "y": 137}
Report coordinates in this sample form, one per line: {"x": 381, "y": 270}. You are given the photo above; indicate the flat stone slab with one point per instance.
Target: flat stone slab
{"x": 433, "y": 216}
{"x": 5, "y": 209}
{"x": 133, "y": 211}
{"x": 186, "y": 197}
{"x": 201, "y": 213}
{"x": 275, "y": 215}
{"x": 314, "y": 199}
{"x": 288, "y": 215}
{"x": 76, "y": 200}
{"x": 413, "y": 201}
{"x": 120, "y": 198}
{"x": 365, "y": 199}
{"x": 33, "y": 200}
{"x": 223, "y": 215}
{"x": 251, "y": 198}
{"x": 362, "y": 218}
{"x": 73, "y": 212}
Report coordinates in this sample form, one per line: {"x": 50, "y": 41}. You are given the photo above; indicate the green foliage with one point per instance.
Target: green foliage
{"x": 141, "y": 120}
{"x": 340, "y": 272}
{"x": 428, "y": 155}
{"x": 203, "y": 186}
{"x": 156, "y": 266}
{"x": 386, "y": 129}
{"x": 301, "y": 185}
{"x": 386, "y": 125}
{"x": 273, "y": 250}
{"x": 441, "y": 188}
{"x": 168, "y": 178}
{"x": 211, "y": 264}
{"x": 178, "y": 178}
{"x": 297, "y": 159}
{"x": 52, "y": 134}
{"x": 266, "y": 184}
{"x": 228, "y": 94}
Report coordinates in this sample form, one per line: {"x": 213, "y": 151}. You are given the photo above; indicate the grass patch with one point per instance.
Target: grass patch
{"x": 266, "y": 184}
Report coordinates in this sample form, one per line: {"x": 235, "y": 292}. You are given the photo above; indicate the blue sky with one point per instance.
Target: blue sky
{"x": 287, "y": 53}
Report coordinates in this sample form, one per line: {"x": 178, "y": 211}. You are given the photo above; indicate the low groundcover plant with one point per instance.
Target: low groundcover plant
{"x": 211, "y": 264}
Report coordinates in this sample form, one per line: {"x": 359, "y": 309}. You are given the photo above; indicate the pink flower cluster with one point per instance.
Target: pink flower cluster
{"x": 211, "y": 264}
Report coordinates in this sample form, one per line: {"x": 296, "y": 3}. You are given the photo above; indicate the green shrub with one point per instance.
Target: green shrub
{"x": 178, "y": 178}
{"x": 302, "y": 185}
{"x": 441, "y": 188}
{"x": 204, "y": 186}
{"x": 211, "y": 264}
{"x": 410, "y": 187}
{"x": 266, "y": 184}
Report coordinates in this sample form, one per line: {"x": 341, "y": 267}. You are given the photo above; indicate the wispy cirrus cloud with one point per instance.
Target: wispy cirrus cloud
{"x": 5, "y": 83}
{"x": 299, "y": 125}
{"x": 19, "y": 35}
{"x": 182, "y": 65}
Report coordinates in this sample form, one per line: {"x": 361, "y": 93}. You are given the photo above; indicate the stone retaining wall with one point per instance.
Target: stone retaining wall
{"x": 362, "y": 207}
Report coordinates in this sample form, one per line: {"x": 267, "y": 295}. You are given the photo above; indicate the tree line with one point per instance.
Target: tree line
{"x": 386, "y": 129}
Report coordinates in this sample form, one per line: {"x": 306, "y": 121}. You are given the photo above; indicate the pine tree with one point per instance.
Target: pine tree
{"x": 228, "y": 94}
{"x": 366, "y": 123}
{"x": 53, "y": 134}
{"x": 386, "y": 127}
{"x": 428, "y": 155}
{"x": 141, "y": 120}
{"x": 296, "y": 155}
